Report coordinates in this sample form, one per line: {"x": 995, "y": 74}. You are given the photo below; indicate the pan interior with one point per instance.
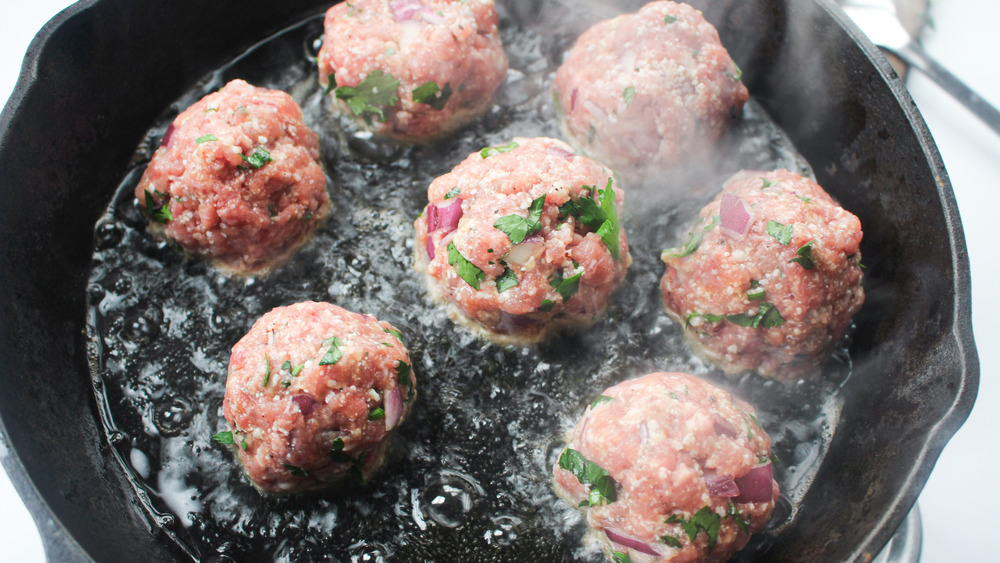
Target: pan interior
{"x": 469, "y": 477}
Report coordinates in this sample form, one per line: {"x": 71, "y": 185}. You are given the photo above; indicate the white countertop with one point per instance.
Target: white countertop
{"x": 959, "y": 504}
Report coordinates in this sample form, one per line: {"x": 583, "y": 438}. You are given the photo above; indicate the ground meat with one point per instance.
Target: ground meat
{"x": 435, "y": 64}
{"x": 524, "y": 238}
{"x": 669, "y": 468}
{"x": 237, "y": 179}
{"x": 313, "y": 393}
{"x": 777, "y": 298}
{"x": 645, "y": 91}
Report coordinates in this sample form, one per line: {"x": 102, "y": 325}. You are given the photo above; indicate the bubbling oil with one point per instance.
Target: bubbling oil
{"x": 469, "y": 476}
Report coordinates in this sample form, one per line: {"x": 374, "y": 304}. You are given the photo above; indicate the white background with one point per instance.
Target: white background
{"x": 960, "y": 503}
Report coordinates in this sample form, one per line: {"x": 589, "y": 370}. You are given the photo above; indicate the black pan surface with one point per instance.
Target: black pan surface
{"x": 70, "y": 138}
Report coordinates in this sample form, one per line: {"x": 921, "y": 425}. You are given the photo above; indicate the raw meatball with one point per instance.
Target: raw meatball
{"x": 648, "y": 90}
{"x": 669, "y": 468}
{"x": 413, "y": 70}
{"x": 313, "y": 393}
{"x": 769, "y": 277}
{"x": 237, "y": 179}
{"x": 524, "y": 238}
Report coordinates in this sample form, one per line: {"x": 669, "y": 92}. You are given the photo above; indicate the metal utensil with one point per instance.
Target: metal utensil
{"x": 880, "y": 22}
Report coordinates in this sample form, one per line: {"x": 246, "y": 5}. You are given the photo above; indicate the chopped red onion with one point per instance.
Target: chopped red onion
{"x": 643, "y": 432}
{"x": 723, "y": 426}
{"x": 450, "y": 215}
{"x": 721, "y": 486}
{"x": 169, "y": 134}
{"x": 430, "y": 247}
{"x": 756, "y": 485}
{"x": 572, "y": 100}
{"x": 393, "y": 408}
{"x": 433, "y": 222}
{"x": 306, "y": 404}
{"x": 734, "y": 217}
{"x": 430, "y": 16}
{"x": 404, "y": 10}
{"x": 521, "y": 253}
{"x": 561, "y": 152}
{"x": 630, "y": 542}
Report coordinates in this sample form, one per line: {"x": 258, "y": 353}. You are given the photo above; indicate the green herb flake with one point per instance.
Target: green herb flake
{"x": 671, "y": 541}
{"x": 694, "y": 240}
{"x": 454, "y": 192}
{"x": 766, "y": 183}
{"x": 267, "y": 370}
{"x": 271, "y": 210}
{"x": 370, "y": 98}
{"x": 376, "y": 414}
{"x": 394, "y": 332}
{"x": 519, "y": 228}
{"x": 743, "y": 523}
{"x": 506, "y": 280}
{"x": 804, "y": 199}
{"x": 756, "y": 293}
{"x": 669, "y": 19}
{"x": 224, "y": 437}
{"x": 333, "y": 353}
{"x": 337, "y": 452}
{"x": 296, "y": 471}
{"x": 258, "y": 158}
{"x": 781, "y": 233}
{"x": 331, "y": 83}
{"x": 629, "y": 95}
{"x": 161, "y": 213}
{"x": 466, "y": 270}
{"x": 490, "y": 151}
{"x": 736, "y": 74}
{"x": 600, "y": 401}
{"x": 610, "y": 230}
{"x": 704, "y": 520}
{"x": 206, "y": 138}
{"x": 546, "y": 305}
{"x": 568, "y": 287}
{"x": 754, "y": 420}
{"x": 287, "y": 365}
{"x": 403, "y": 371}
{"x": 602, "y": 486}
{"x": 297, "y": 369}
{"x": 211, "y": 109}
{"x": 621, "y": 557}
{"x": 429, "y": 93}
{"x": 244, "y": 444}
{"x": 803, "y": 257}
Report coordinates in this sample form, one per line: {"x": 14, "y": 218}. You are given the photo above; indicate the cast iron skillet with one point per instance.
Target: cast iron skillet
{"x": 101, "y": 72}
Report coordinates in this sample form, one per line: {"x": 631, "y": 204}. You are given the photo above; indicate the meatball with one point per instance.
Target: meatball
{"x": 769, "y": 277}
{"x": 646, "y": 91}
{"x": 523, "y": 239}
{"x": 669, "y": 468}
{"x": 412, "y": 70}
{"x": 237, "y": 179}
{"x": 313, "y": 393}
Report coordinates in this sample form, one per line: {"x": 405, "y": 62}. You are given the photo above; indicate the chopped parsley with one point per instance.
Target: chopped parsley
{"x": 694, "y": 240}
{"x": 731, "y": 511}
{"x": 601, "y": 217}
{"x": 629, "y": 95}
{"x": 394, "y": 332}
{"x": 602, "y": 486}
{"x": 224, "y": 438}
{"x": 331, "y": 83}
{"x": 621, "y": 557}
{"x": 756, "y": 292}
{"x": 669, "y": 19}
{"x": 781, "y": 233}
{"x": 296, "y": 471}
{"x": 568, "y": 287}
{"x": 403, "y": 371}
{"x": 206, "y": 138}
{"x": 506, "y": 280}
{"x": 601, "y": 400}
{"x": 767, "y": 316}
{"x": 337, "y": 452}
{"x": 546, "y": 305}
{"x": 258, "y": 158}
{"x": 333, "y": 354}
{"x": 518, "y": 228}
{"x": 370, "y": 98}
{"x": 160, "y": 214}
{"x": 767, "y": 183}
{"x": 804, "y": 256}
{"x": 705, "y": 519}
{"x": 376, "y": 413}
{"x": 490, "y": 151}
{"x": 466, "y": 270}
{"x": 271, "y": 210}
{"x": 671, "y": 541}
{"x": 453, "y": 193}
{"x": 267, "y": 371}
{"x": 429, "y": 93}
{"x": 735, "y": 75}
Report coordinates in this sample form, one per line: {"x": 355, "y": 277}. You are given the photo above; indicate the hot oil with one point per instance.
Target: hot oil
{"x": 469, "y": 476}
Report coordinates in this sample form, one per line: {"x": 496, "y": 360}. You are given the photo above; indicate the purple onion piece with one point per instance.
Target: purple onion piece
{"x": 723, "y": 426}
{"x": 643, "y": 433}
{"x": 306, "y": 404}
{"x": 721, "y": 486}
{"x": 572, "y": 100}
{"x": 430, "y": 16}
{"x": 430, "y": 247}
{"x": 393, "y": 408}
{"x": 404, "y": 10}
{"x": 169, "y": 134}
{"x": 756, "y": 485}
{"x": 450, "y": 215}
{"x": 561, "y": 152}
{"x": 630, "y": 542}
{"x": 734, "y": 217}
{"x": 433, "y": 222}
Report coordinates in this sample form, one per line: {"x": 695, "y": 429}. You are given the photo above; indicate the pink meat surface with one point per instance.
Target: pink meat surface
{"x": 505, "y": 183}
{"x": 663, "y": 438}
{"x": 246, "y": 216}
{"x": 645, "y": 91}
{"x": 306, "y": 409}
{"x": 800, "y": 256}
{"x": 450, "y": 44}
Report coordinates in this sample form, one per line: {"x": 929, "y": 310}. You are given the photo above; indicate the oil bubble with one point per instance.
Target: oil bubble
{"x": 449, "y": 498}
{"x": 172, "y": 416}
{"x": 107, "y": 235}
{"x": 142, "y": 327}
